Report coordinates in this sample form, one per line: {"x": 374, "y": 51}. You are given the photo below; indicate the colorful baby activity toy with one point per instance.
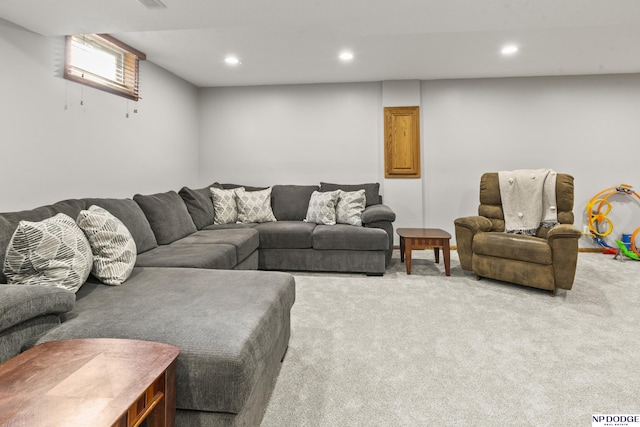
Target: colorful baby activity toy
{"x": 600, "y": 226}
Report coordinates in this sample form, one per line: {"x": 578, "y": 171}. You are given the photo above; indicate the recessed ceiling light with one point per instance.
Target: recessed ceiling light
{"x": 231, "y": 60}
{"x": 346, "y": 56}
{"x": 509, "y": 49}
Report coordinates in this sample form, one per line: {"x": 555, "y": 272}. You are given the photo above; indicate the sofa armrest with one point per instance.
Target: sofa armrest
{"x": 19, "y": 303}
{"x": 563, "y": 240}
{"x": 381, "y": 216}
{"x": 466, "y": 228}
{"x": 375, "y": 213}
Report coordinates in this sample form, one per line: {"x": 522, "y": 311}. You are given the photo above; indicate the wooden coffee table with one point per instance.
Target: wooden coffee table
{"x": 90, "y": 382}
{"x": 423, "y": 238}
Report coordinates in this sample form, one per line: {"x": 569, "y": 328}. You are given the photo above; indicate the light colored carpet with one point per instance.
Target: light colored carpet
{"x": 431, "y": 350}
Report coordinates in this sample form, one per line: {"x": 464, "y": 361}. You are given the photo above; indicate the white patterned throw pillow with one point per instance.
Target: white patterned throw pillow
{"x": 322, "y": 207}
{"x": 225, "y": 207}
{"x": 254, "y": 206}
{"x": 113, "y": 247}
{"x": 50, "y": 252}
{"x": 350, "y": 207}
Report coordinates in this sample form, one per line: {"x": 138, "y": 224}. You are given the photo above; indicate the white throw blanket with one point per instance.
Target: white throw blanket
{"x": 528, "y": 200}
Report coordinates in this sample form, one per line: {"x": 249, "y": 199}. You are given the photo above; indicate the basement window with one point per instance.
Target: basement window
{"x": 104, "y": 63}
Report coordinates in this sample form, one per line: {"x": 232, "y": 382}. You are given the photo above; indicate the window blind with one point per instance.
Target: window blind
{"x": 103, "y": 62}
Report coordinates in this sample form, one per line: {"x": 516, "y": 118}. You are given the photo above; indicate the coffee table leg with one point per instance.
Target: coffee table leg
{"x": 408, "y": 256}
{"x": 401, "y": 249}
{"x": 447, "y": 257}
{"x": 436, "y": 253}
{"x": 164, "y": 415}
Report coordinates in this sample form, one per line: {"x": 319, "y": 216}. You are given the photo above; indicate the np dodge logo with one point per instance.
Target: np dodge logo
{"x": 617, "y": 420}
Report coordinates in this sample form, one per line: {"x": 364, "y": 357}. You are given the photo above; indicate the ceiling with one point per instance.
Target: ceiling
{"x": 298, "y": 41}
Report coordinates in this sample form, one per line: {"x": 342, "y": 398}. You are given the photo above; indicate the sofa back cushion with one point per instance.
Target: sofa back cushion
{"x": 371, "y": 190}
{"x": 199, "y": 204}
{"x": 70, "y": 207}
{"x": 167, "y": 214}
{"x": 132, "y": 216}
{"x": 491, "y": 202}
{"x": 290, "y": 202}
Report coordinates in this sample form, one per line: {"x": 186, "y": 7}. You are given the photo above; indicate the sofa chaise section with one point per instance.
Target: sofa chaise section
{"x": 232, "y": 328}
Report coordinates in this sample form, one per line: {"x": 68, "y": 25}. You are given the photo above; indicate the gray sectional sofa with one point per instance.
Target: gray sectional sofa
{"x": 195, "y": 285}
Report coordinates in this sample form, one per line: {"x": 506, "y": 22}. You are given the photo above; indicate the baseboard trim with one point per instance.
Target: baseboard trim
{"x": 598, "y": 250}
{"x": 453, "y": 248}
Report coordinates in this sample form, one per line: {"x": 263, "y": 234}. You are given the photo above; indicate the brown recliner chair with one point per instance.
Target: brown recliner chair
{"x": 546, "y": 261}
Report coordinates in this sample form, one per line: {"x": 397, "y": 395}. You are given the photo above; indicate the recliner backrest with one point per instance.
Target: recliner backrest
{"x": 491, "y": 203}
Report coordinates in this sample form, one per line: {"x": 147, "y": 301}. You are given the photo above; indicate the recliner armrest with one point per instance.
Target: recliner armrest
{"x": 563, "y": 231}
{"x": 466, "y": 228}
{"x": 474, "y": 223}
{"x": 375, "y": 213}
{"x": 563, "y": 240}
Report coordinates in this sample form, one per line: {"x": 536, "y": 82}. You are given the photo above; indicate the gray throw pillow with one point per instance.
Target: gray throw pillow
{"x": 254, "y": 206}
{"x": 199, "y": 205}
{"x": 322, "y": 208}
{"x": 372, "y": 190}
{"x": 167, "y": 215}
{"x": 235, "y": 186}
{"x": 290, "y": 202}
{"x": 53, "y": 251}
{"x": 350, "y": 206}
{"x": 113, "y": 247}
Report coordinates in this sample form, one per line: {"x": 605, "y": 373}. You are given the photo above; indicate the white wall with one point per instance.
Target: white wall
{"x": 48, "y": 153}
{"x": 588, "y": 126}
{"x": 406, "y": 195}
{"x": 298, "y": 134}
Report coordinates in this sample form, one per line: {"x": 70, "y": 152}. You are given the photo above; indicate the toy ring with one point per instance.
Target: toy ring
{"x": 598, "y": 218}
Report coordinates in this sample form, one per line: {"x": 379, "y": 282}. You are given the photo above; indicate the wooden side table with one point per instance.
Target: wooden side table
{"x": 423, "y": 238}
{"x": 90, "y": 382}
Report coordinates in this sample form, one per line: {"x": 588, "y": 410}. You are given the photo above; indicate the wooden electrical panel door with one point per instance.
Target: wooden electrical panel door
{"x": 402, "y": 142}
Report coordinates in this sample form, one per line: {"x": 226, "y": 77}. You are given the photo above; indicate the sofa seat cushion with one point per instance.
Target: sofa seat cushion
{"x": 245, "y": 240}
{"x": 218, "y": 256}
{"x": 285, "y": 234}
{"x": 231, "y": 226}
{"x": 513, "y": 246}
{"x": 349, "y": 237}
{"x": 226, "y": 324}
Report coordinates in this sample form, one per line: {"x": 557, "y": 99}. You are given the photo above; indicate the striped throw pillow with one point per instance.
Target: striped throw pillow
{"x": 49, "y": 252}
{"x": 113, "y": 247}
